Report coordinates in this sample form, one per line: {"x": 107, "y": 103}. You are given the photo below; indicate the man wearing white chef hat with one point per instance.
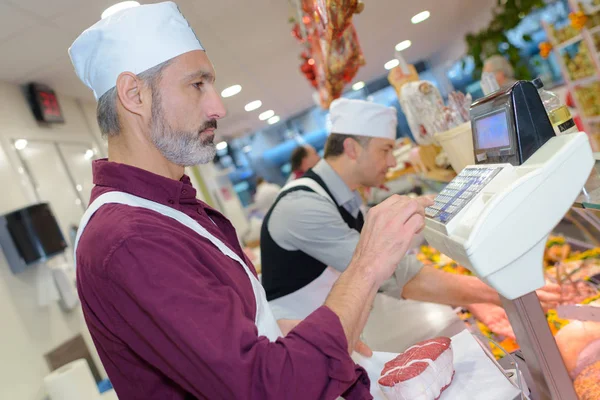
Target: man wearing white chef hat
{"x": 311, "y": 232}
{"x": 174, "y": 307}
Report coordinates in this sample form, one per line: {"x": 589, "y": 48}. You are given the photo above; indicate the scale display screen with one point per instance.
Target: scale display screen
{"x": 460, "y": 192}
{"x": 492, "y": 131}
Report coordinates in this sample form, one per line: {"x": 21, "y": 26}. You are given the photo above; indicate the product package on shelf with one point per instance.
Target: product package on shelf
{"x": 588, "y": 97}
{"x": 563, "y": 33}
{"x": 576, "y": 45}
{"x": 578, "y": 61}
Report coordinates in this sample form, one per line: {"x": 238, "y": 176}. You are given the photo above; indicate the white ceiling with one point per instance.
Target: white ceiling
{"x": 249, "y": 43}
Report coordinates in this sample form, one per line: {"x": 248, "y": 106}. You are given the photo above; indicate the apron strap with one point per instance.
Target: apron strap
{"x": 135, "y": 201}
{"x": 311, "y": 184}
{"x": 265, "y": 321}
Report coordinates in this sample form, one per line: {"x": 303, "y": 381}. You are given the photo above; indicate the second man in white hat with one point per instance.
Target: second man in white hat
{"x": 310, "y": 234}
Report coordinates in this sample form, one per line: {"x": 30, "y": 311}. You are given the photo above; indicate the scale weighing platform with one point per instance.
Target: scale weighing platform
{"x": 494, "y": 218}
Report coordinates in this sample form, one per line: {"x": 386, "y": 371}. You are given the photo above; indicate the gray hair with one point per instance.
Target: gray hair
{"x": 498, "y": 63}
{"x": 335, "y": 143}
{"x": 106, "y": 111}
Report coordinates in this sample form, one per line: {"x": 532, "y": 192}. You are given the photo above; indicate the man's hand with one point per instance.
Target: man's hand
{"x": 493, "y": 317}
{"x": 385, "y": 238}
{"x": 362, "y": 349}
{"x": 388, "y": 232}
{"x": 550, "y": 296}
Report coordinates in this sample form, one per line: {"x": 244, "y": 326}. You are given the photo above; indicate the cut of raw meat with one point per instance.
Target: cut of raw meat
{"x": 587, "y": 384}
{"x": 422, "y": 372}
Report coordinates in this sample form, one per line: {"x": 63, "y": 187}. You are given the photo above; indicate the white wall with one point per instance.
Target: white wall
{"x": 27, "y": 331}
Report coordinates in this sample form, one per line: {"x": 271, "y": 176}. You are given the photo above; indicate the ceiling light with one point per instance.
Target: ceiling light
{"x": 79, "y": 188}
{"x": 118, "y": 7}
{"x": 403, "y": 45}
{"x": 78, "y": 202}
{"x": 253, "y": 105}
{"x": 274, "y": 120}
{"x": 231, "y": 91}
{"x": 89, "y": 153}
{"x": 358, "y": 85}
{"x": 20, "y": 144}
{"x": 391, "y": 64}
{"x": 420, "y": 17}
{"x": 266, "y": 115}
{"x": 221, "y": 146}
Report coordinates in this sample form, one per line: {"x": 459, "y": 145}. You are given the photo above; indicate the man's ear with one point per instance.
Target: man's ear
{"x": 351, "y": 148}
{"x": 131, "y": 94}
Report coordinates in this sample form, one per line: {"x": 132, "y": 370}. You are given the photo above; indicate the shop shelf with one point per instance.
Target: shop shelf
{"x": 569, "y": 42}
{"x": 585, "y": 81}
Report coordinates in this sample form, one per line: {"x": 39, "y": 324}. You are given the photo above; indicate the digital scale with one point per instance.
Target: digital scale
{"x": 495, "y": 218}
{"x": 509, "y": 125}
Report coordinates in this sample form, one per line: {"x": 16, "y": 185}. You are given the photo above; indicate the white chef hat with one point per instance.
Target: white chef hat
{"x": 132, "y": 40}
{"x": 362, "y": 118}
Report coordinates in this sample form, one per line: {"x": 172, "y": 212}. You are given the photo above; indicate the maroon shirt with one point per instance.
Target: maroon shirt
{"x": 173, "y": 318}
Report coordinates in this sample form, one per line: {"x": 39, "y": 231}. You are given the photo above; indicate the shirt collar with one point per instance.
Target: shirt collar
{"x": 142, "y": 183}
{"x": 338, "y": 188}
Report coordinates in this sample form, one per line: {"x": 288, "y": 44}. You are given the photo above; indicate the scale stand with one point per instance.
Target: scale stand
{"x": 548, "y": 378}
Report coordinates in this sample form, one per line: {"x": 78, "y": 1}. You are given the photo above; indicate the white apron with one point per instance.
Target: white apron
{"x": 265, "y": 321}
{"x": 304, "y": 301}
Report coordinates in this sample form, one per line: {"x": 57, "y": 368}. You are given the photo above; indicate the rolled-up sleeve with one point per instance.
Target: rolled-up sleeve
{"x": 408, "y": 268}
{"x": 171, "y": 310}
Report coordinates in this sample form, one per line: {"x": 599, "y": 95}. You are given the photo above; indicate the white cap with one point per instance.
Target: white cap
{"x": 363, "y": 118}
{"x": 132, "y": 40}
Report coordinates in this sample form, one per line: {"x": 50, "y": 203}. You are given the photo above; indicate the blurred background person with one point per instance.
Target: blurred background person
{"x": 265, "y": 196}
{"x": 501, "y": 69}
{"x": 303, "y": 158}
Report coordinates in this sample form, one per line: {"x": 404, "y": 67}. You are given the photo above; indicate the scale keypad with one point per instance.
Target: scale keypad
{"x": 460, "y": 192}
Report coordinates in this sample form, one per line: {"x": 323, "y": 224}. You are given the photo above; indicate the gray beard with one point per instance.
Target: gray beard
{"x": 179, "y": 147}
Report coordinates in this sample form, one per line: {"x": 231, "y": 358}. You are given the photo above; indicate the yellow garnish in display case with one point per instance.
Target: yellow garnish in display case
{"x": 555, "y": 240}
{"x": 592, "y": 253}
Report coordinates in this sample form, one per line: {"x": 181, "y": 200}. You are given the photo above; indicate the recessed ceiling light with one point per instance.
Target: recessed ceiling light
{"x": 420, "y": 17}
{"x": 274, "y": 120}
{"x": 253, "y": 105}
{"x": 221, "y": 145}
{"x": 403, "y": 45}
{"x": 231, "y": 91}
{"x": 391, "y": 64}
{"x": 89, "y": 154}
{"x": 358, "y": 85}
{"x": 79, "y": 188}
{"x": 266, "y": 115}
{"x": 20, "y": 144}
{"x": 118, "y": 7}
